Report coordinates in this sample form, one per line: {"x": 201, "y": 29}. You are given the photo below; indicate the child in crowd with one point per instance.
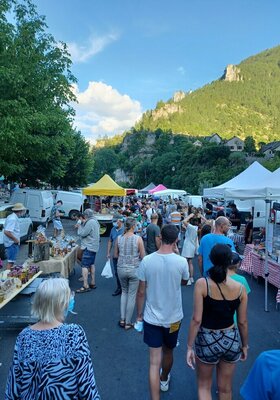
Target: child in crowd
{"x": 232, "y": 273}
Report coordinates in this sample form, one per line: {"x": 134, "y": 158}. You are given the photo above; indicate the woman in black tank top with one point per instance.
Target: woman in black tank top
{"x": 216, "y": 340}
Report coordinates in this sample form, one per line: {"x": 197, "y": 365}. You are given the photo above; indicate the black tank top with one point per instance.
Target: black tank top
{"x": 218, "y": 314}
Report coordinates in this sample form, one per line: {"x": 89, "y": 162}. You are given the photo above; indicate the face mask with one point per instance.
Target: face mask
{"x": 115, "y": 224}
{"x": 71, "y": 306}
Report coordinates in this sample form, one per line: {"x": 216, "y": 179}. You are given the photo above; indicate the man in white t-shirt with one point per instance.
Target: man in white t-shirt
{"x": 11, "y": 237}
{"x": 149, "y": 211}
{"x": 160, "y": 277}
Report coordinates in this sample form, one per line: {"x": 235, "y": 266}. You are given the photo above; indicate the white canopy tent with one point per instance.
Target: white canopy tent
{"x": 174, "y": 193}
{"x": 251, "y": 176}
{"x": 267, "y": 189}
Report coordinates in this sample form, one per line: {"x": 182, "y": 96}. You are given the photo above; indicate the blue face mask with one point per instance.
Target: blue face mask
{"x": 115, "y": 224}
{"x": 71, "y": 306}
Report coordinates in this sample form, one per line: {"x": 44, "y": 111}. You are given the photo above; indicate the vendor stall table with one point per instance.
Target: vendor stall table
{"x": 15, "y": 292}
{"x": 254, "y": 264}
{"x": 62, "y": 264}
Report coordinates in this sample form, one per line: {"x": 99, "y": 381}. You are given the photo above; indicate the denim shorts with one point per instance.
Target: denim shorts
{"x": 88, "y": 258}
{"x": 211, "y": 346}
{"x": 157, "y": 336}
{"x": 12, "y": 252}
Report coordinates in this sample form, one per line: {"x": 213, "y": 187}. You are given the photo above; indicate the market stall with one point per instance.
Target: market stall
{"x": 158, "y": 188}
{"x": 106, "y": 186}
{"x": 146, "y": 189}
{"x": 267, "y": 189}
{"x": 63, "y": 263}
{"x": 15, "y": 281}
{"x": 254, "y": 264}
{"x": 249, "y": 177}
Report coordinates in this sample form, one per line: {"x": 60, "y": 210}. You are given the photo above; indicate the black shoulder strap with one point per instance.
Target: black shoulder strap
{"x": 220, "y": 291}
{"x": 207, "y": 284}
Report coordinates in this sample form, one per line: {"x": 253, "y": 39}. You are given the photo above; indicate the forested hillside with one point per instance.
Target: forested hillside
{"x": 244, "y": 104}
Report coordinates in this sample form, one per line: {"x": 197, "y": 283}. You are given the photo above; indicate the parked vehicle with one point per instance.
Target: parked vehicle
{"x": 195, "y": 201}
{"x": 25, "y": 224}
{"x": 39, "y": 204}
{"x": 72, "y": 202}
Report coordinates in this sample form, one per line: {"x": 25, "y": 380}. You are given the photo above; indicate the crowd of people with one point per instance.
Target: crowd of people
{"x": 151, "y": 245}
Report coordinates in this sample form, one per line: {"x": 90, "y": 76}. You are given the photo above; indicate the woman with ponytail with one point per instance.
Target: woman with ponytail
{"x": 215, "y": 338}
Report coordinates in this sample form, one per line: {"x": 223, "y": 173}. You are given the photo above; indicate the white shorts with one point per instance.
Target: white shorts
{"x": 57, "y": 224}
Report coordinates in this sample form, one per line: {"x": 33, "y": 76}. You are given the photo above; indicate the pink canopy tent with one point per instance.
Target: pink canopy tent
{"x": 158, "y": 188}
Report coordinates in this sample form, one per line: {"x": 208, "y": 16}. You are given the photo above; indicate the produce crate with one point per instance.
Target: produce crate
{"x": 41, "y": 251}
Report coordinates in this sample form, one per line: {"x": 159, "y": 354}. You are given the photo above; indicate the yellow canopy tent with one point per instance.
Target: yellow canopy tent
{"x": 106, "y": 186}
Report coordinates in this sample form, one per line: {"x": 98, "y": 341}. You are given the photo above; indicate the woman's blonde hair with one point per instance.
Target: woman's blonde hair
{"x": 51, "y": 300}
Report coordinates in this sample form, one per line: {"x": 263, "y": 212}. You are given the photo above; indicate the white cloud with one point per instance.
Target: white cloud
{"x": 102, "y": 110}
{"x": 81, "y": 53}
{"x": 181, "y": 70}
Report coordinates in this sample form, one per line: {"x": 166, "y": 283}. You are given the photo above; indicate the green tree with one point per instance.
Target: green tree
{"x": 35, "y": 96}
{"x": 105, "y": 162}
{"x": 250, "y": 145}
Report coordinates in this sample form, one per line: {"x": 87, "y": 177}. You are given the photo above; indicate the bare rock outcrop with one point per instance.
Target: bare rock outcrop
{"x": 232, "y": 74}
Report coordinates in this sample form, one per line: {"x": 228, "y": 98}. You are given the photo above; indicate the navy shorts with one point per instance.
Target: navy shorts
{"x": 157, "y": 336}
{"x": 88, "y": 258}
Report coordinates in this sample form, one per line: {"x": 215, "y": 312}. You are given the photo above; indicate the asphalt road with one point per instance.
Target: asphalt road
{"x": 120, "y": 357}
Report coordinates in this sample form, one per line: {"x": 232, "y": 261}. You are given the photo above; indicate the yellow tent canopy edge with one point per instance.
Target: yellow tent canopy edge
{"x": 106, "y": 186}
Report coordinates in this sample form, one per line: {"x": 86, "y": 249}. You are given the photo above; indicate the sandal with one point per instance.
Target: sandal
{"x": 83, "y": 290}
{"x": 128, "y": 326}
{"x": 122, "y": 323}
{"x": 92, "y": 286}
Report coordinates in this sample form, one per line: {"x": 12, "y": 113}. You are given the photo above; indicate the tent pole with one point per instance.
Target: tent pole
{"x": 266, "y": 272}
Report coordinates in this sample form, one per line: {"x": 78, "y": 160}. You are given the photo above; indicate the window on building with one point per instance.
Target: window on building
{"x": 231, "y": 147}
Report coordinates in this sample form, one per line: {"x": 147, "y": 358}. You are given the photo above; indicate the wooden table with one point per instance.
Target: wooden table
{"x": 15, "y": 292}
{"x": 63, "y": 265}
{"x": 255, "y": 265}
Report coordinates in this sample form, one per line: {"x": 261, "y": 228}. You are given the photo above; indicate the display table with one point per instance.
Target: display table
{"x": 254, "y": 264}
{"x": 15, "y": 292}
{"x": 62, "y": 264}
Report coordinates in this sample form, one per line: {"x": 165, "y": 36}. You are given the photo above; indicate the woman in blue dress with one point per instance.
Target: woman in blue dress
{"x": 52, "y": 359}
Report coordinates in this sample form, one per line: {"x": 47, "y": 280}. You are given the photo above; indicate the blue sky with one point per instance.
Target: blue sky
{"x": 129, "y": 54}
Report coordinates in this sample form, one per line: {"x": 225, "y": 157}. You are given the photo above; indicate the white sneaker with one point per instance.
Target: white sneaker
{"x": 164, "y": 385}
{"x": 189, "y": 282}
{"x": 192, "y": 280}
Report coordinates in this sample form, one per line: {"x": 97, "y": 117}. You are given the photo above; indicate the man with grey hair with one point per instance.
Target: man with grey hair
{"x": 222, "y": 225}
{"x": 89, "y": 232}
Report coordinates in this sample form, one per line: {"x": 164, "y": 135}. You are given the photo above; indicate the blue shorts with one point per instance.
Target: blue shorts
{"x": 157, "y": 336}
{"x": 88, "y": 258}
{"x": 12, "y": 252}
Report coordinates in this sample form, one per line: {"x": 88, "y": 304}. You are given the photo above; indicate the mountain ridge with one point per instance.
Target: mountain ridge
{"x": 243, "y": 102}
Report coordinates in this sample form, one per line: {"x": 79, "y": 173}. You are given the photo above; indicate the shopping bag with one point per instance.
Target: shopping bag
{"x": 107, "y": 270}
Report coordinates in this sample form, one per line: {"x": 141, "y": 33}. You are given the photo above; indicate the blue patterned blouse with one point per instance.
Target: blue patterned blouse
{"x": 52, "y": 364}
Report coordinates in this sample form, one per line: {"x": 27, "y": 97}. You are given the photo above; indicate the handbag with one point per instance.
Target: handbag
{"x": 107, "y": 270}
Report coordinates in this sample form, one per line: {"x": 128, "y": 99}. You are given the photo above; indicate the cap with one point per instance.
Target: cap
{"x": 18, "y": 207}
{"x": 236, "y": 258}
{"x": 118, "y": 217}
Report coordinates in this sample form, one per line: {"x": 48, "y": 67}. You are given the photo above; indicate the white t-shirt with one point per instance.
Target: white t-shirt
{"x": 163, "y": 274}
{"x": 149, "y": 213}
{"x": 11, "y": 225}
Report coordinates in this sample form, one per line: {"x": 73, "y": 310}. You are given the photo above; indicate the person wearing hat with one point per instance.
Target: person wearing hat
{"x": 117, "y": 230}
{"x": 12, "y": 234}
{"x": 90, "y": 236}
